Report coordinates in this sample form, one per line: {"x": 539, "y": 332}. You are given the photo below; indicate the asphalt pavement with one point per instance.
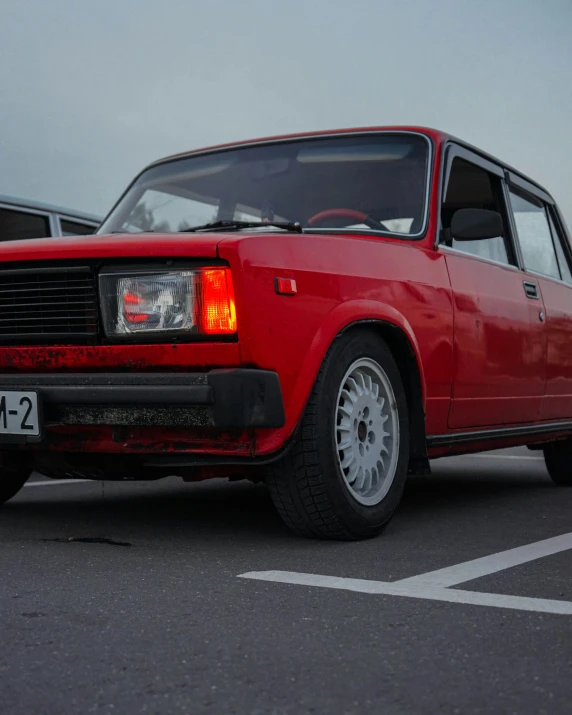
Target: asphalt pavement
{"x": 132, "y": 598}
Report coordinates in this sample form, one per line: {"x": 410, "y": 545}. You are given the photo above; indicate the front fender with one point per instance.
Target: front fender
{"x": 336, "y": 321}
{"x": 339, "y": 319}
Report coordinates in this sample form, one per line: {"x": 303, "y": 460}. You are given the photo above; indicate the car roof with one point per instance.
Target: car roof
{"x": 435, "y": 134}
{"x": 50, "y": 208}
{"x": 438, "y": 136}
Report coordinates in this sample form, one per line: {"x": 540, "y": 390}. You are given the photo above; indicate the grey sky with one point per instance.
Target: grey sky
{"x": 93, "y": 91}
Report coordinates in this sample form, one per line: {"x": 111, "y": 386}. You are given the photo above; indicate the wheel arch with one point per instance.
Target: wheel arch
{"x": 389, "y": 324}
{"x": 408, "y": 364}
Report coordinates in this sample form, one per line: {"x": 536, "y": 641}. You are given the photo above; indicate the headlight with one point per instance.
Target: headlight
{"x": 190, "y": 302}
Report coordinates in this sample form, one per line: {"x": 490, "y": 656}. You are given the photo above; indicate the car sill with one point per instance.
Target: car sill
{"x": 502, "y": 433}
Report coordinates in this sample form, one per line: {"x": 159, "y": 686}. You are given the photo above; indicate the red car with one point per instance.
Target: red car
{"x": 324, "y": 312}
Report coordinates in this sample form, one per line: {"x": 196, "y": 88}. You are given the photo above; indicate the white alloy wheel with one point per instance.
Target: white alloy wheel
{"x": 367, "y": 431}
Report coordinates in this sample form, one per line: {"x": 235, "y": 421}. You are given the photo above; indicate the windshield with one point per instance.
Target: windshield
{"x": 370, "y": 182}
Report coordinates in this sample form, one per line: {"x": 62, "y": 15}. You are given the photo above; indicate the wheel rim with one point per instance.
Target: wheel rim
{"x": 367, "y": 432}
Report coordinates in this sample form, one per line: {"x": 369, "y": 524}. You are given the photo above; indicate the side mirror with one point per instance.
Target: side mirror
{"x": 476, "y": 224}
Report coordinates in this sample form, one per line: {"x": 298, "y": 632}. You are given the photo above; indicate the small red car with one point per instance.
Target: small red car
{"x": 324, "y": 312}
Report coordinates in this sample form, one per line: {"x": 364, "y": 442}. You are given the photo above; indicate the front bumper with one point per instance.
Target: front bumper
{"x": 223, "y": 399}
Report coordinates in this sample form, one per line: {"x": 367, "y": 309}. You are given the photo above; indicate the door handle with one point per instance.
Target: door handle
{"x": 530, "y": 290}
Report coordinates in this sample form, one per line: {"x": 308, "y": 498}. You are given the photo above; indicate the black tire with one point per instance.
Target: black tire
{"x": 11, "y": 481}
{"x": 558, "y": 459}
{"x": 307, "y": 486}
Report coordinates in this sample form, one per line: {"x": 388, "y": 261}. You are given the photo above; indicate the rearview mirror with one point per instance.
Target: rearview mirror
{"x": 475, "y": 224}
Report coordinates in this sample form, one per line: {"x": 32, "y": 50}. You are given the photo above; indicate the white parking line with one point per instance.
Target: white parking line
{"x": 53, "y": 482}
{"x": 477, "y": 568}
{"x": 431, "y": 593}
{"x": 435, "y": 585}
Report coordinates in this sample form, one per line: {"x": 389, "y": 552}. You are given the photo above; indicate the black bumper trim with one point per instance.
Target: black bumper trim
{"x": 224, "y": 399}
{"x": 120, "y": 395}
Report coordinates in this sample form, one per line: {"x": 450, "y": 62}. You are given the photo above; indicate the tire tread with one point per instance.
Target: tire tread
{"x": 296, "y": 482}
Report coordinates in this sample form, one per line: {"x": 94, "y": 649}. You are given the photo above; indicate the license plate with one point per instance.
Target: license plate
{"x": 19, "y": 413}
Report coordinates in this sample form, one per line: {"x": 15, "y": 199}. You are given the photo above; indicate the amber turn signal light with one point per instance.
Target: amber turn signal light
{"x": 216, "y": 311}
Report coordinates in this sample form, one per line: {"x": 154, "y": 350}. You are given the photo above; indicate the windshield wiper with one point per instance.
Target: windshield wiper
{"x": 237, "y": 225}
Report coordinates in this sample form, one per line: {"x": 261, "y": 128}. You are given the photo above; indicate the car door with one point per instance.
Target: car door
{"x": 499, "y": 336}
{"x": 546, "y": 257}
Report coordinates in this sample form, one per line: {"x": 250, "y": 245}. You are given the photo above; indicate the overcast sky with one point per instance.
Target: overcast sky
{"x": 92, "y": 91}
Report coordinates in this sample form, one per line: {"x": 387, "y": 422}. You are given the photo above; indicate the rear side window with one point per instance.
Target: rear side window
{"x": 72, "y": 228}
{"x": 16, "y": 225}
{"x": 534, "y": 235}
{"x": 560, "y": 243}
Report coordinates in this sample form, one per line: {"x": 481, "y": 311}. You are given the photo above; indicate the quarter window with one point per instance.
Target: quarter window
{"x": 559, "y": 243}
{"x": 534, "y": 235}
{"x": 71, "y": 228}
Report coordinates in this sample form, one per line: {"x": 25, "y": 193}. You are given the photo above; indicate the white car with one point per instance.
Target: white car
{"x": 20, "y": 218}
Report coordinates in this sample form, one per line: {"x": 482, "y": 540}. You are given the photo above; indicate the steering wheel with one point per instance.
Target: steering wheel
{"x": 357, "y": 216}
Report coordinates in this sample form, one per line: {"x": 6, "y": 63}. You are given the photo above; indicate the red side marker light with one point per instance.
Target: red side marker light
{"x": 286, "y": 286}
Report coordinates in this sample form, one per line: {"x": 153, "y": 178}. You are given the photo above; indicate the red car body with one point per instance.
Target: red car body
{"x": 484, "y": 365}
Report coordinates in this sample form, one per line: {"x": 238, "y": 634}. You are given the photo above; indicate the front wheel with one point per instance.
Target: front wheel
{"x": 12, "y": 479}
{"x": 558, "y": 459}
{"x": 344, "y": 476}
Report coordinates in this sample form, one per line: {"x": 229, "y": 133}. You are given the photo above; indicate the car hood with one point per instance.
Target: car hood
{"x": 141, "y": 245}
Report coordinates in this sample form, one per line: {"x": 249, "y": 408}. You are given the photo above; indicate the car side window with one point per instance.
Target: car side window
{"x": 560, "y": 242}
{"x": 472, "y": 187}
{"x": 72, "y": 228}
{"x": 16, "y": 225}
{"x": 534, "y": 235}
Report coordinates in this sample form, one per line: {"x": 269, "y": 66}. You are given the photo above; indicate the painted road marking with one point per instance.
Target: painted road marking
{"x": 436, "y": 585}
{"x": 477, "y": 568}
{"x": 53, "y": 482}
{"x": 431, "y": 593}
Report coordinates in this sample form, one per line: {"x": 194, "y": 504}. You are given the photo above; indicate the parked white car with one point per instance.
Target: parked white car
{"x": 20, "y": 218}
